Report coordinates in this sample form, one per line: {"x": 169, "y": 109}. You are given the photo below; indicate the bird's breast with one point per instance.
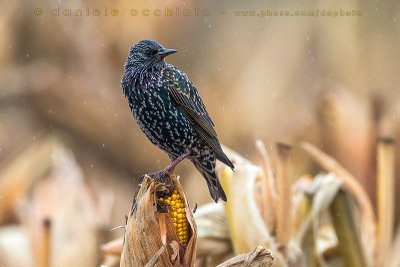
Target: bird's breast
{"x": 158, "y": 117}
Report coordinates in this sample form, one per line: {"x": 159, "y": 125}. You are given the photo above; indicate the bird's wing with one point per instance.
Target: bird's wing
{"x": 188, "y": 101}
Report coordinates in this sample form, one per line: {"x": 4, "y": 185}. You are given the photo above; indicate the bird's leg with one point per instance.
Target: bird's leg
{"x": 170, "y": 168}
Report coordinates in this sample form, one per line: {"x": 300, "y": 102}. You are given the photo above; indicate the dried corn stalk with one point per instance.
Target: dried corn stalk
{"x": 155, "y": 233}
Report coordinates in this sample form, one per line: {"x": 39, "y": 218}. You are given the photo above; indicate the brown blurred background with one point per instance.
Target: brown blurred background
{"x": 330, "y": 81}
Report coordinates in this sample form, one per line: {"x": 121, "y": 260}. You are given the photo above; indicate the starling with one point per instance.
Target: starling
{"x": 170, "y": 112}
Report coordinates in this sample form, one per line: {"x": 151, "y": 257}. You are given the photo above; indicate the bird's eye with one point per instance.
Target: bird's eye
{"x": 150, "y": 53}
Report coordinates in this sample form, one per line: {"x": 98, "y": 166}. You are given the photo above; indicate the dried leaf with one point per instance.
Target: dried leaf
{"x": 246, "y": 225}
{"x": 368, "y": 219}
{"x": 268, "y": 188}
{"x": 213, "y": 237}
{"x": 259, "y": 257}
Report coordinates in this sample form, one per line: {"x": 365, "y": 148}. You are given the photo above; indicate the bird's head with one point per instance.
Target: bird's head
{"x": 147, "y": 54}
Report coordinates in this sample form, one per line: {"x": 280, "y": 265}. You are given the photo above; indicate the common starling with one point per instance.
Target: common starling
{"x": 170, "y": 112}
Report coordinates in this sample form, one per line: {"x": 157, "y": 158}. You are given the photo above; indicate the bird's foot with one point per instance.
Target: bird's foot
{"x": 152, "y": 175}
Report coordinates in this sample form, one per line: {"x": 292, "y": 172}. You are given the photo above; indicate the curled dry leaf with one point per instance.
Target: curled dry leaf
{"x": 246, "y": 224}
{"x": 160, "y": 217}
{"x": 259, "y": 257}
{"x": 175, "y": 249}
{"x": 212, "y": 230}
{"x": 368, "y": 220}
{"x": 323, "y": 190}
{"x": 268, "y": 187}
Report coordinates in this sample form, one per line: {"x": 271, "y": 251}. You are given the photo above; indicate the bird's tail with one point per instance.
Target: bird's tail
{"x": 207, "y": 168}
{"x": 224, "y": 159}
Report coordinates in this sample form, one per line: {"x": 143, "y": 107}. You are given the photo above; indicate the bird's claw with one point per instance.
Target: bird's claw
{"x": 154, "y": 175}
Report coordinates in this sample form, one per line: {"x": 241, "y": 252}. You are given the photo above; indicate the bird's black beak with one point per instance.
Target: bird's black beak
{"x": 166, "y": 52}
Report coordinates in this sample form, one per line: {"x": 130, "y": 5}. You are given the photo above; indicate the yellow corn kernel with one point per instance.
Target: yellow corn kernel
{"x": 178, "y": 214}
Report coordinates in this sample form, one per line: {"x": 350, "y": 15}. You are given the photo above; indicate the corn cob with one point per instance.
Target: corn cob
{"x": 176, "y": 209}
{"x": 150, "y": 232}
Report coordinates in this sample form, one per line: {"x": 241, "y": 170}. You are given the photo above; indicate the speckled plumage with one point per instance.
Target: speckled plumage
{"x": 170, "y": 112}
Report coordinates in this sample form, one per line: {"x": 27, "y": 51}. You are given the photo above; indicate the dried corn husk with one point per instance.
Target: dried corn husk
{"x": 259, "y": 257}
{"x": 321, "y": 192}
{"x": 246, "y": 224}
{"x": 368, "y": 219}
{"x": 150, "y": 235}
{"x": 212, "y": 230}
